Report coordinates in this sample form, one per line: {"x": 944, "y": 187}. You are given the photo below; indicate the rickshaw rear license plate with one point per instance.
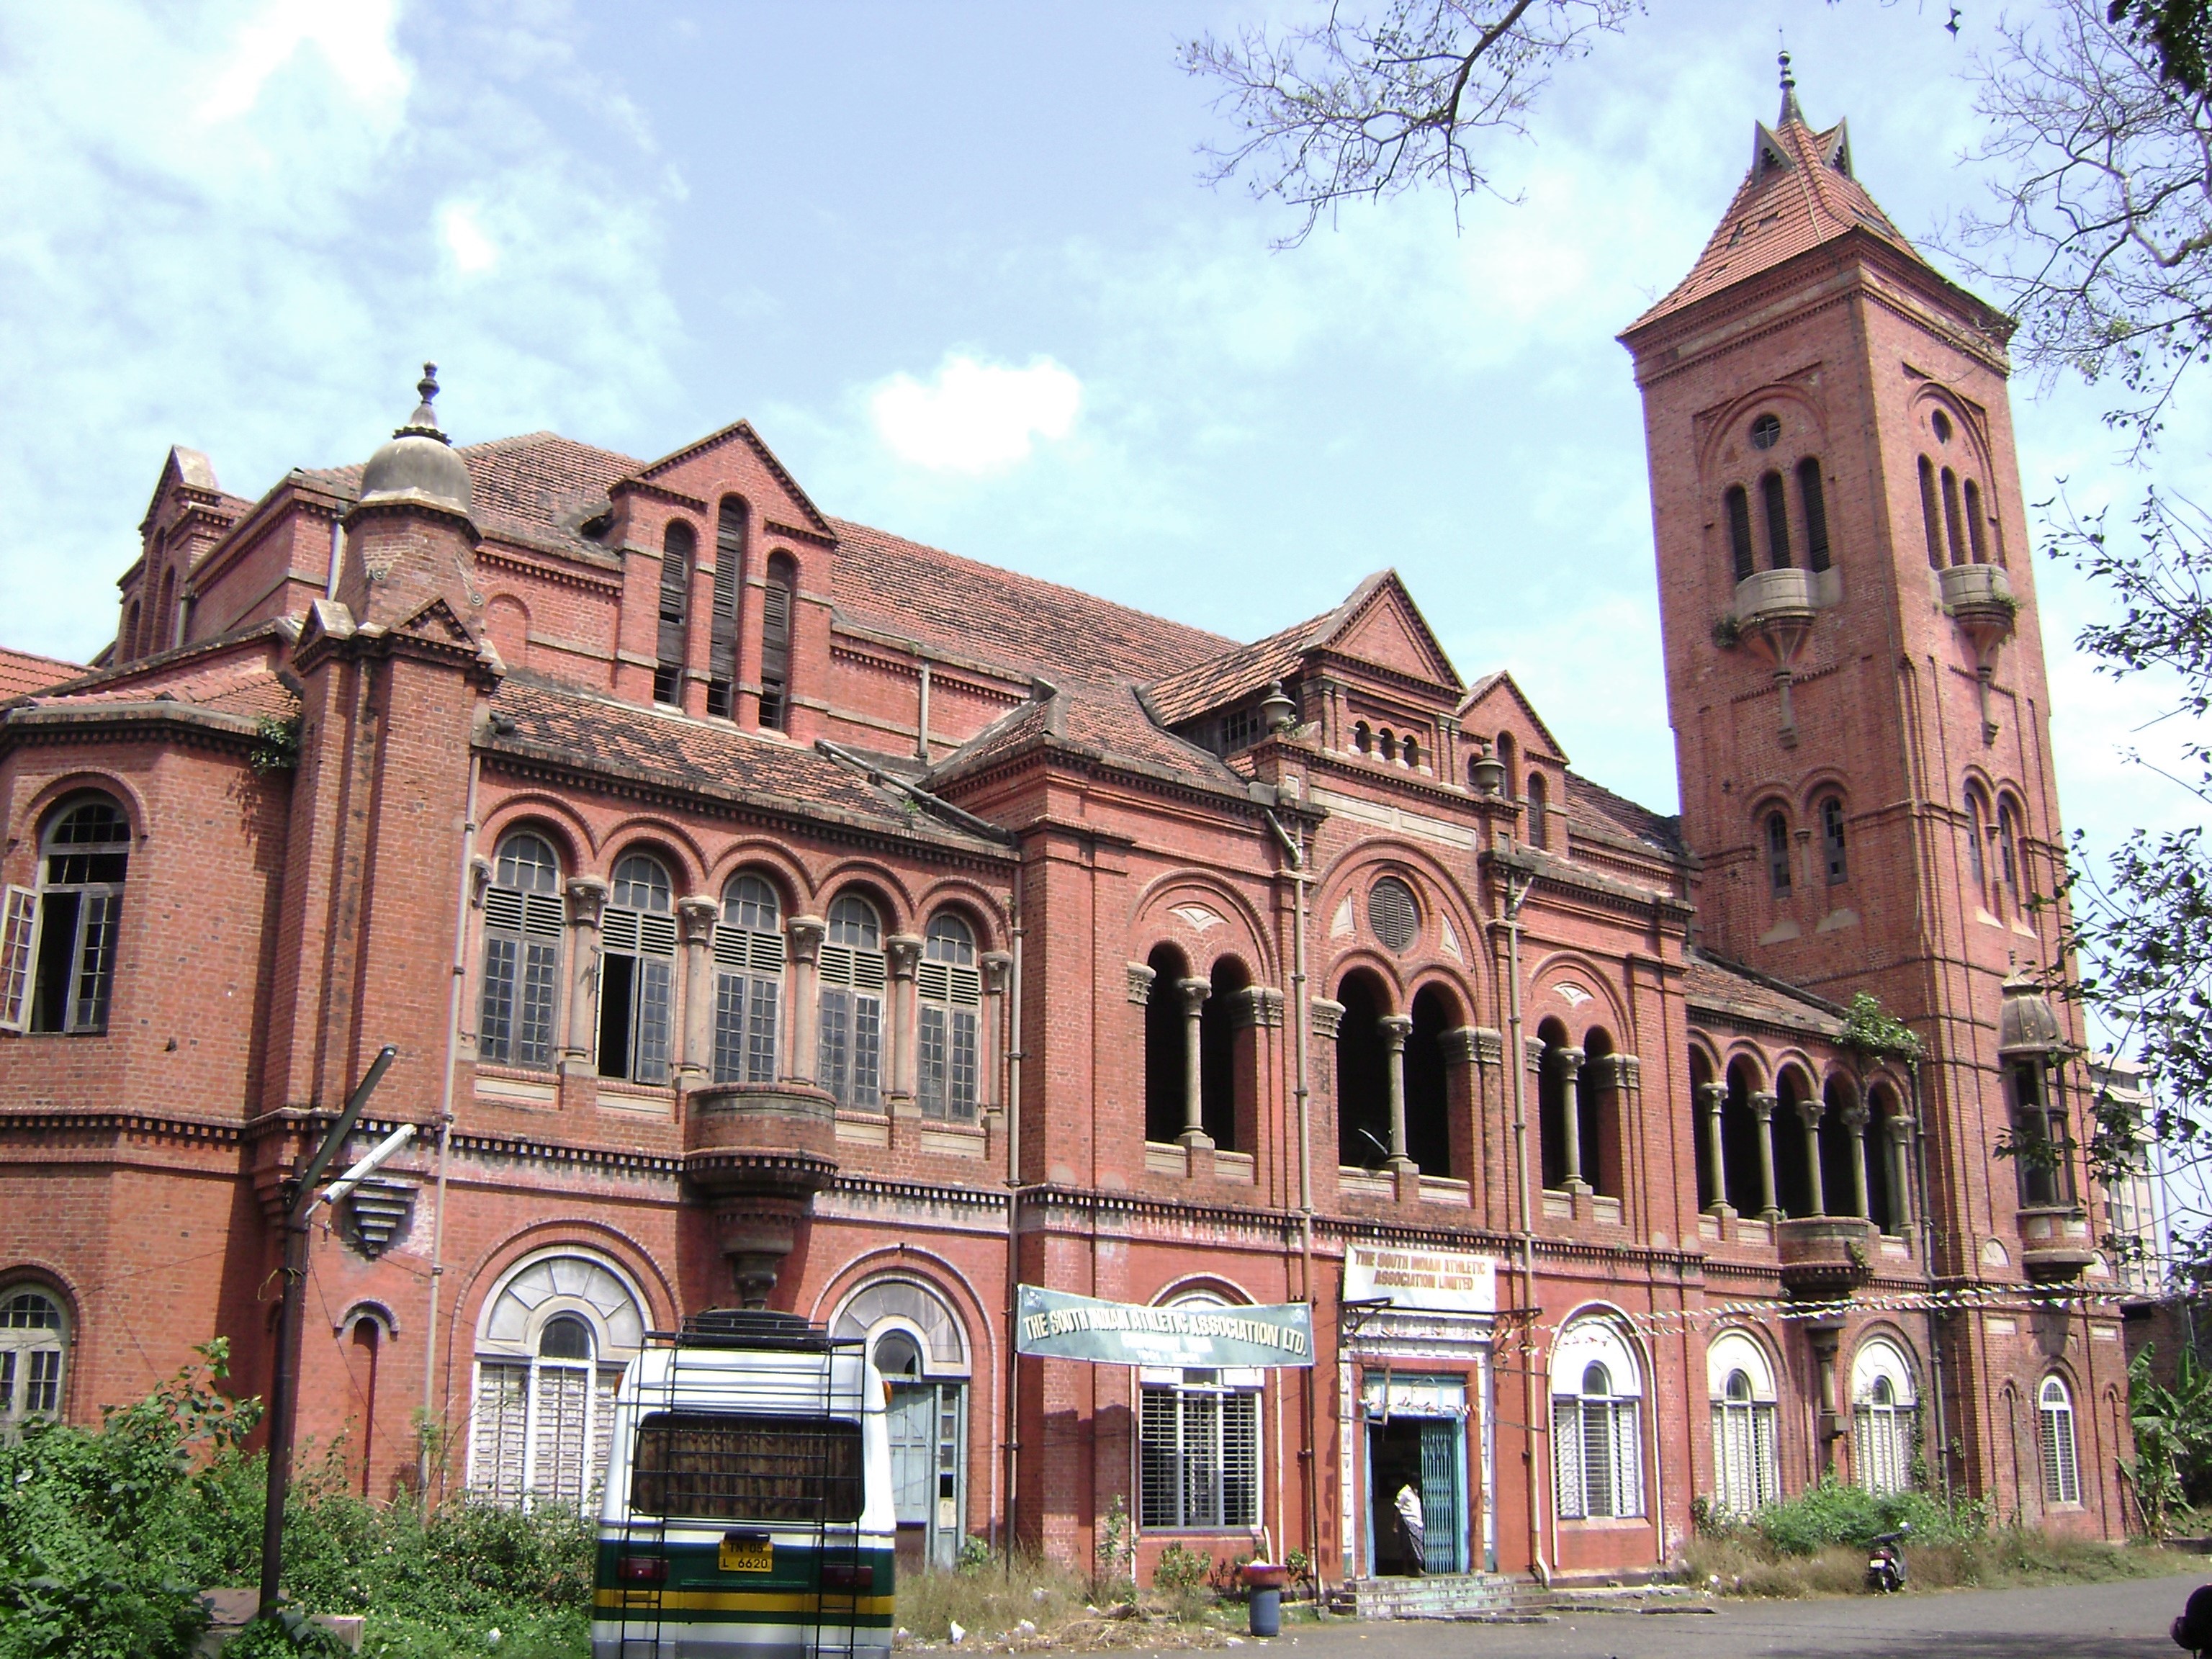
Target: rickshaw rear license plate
{"x": 747, "y": 1555}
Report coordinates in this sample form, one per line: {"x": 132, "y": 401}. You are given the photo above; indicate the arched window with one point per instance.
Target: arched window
{"x": 1778, "y": 851}
{"x": 523, "y": 922}
{"x": 1814, "y": 503}
{"x": 550, "y": 1349}
{"x": 1832, "y": 839}
{"x": 1553, "y": 1083}
{"x": 1363, "y": 1081}
{"x": 1839, "y": 1182}
{"x": 921, "y": 1350}
{"x": 1597, "y": 1457}
{"x": 748, "y": 981}
{"x": 1390, "y": 745}
{"x": 58, "y": 951}
{"x": 949, "y": 991}
{"x": 679, "y": 545}
{"x": 1167, "y": 1046}
{"x": 1977, "y": 817}
{"x": 1225, "y": 1055}
{"x": 1540, "y": 820}
{"x": 34, "y": 1338}
{"x": 778, "y": 600}
{"x": 1198, "y": 1444}
{"x": 637, "y": 973}
{"x": 1746, "y": 1466}
{"x": 2009, "y": 856}
{"x": 127, "y": 641}
{"x": 1363, "y": 738}
{"x": 1884, "y": 1417}
{"x": 1745, "y": 561}
{"x": 1954, "y": 534}
{"x": 1776, "y": 503}
{"x": 1885, "y": 1201}
{"x": 1413, "y": 752}
{"x": 1974, "y": 535}
{"x": 1930, "y": 522}
{"x": 1597, "y": 1125}
{"x": 849, "y": 1060}
{"x": 1428, "y": 1096}
{"x": 2054, "y": 1419}
{"x": 729, "y": 582}
{"x": 1740, "y": 1132}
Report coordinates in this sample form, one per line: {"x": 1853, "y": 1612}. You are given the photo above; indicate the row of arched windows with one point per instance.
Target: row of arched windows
{"x": 1995, "y": 850}
{"x": 1776, "y": 838}
{"x": 526, "y": 925}
{"x": 1536, "y": 796}
{"x": 678, "y": 562}
{"x": 1952, "y": 519}
{"x": 1775, "y": 521}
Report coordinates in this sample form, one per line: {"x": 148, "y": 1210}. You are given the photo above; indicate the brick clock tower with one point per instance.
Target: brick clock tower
{"x": 1856, "y": 687}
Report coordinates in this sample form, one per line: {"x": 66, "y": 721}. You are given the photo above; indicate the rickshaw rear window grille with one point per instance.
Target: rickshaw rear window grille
{"x": 801, "y": 1469}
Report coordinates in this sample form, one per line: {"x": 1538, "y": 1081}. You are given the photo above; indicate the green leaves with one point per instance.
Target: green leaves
{"x": 1875, "y": 1034}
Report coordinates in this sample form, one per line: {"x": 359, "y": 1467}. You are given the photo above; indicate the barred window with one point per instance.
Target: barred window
{"x": 776, "y": 601}
{"x": 1746, "y": 1471}
{"x": 1199, "y": 1453}
{"x": 748, "y": 982}
{"x": 1885, "y": 1418}
{"x": 2054, "y": 1417}
{"x": 948, "y": 992}
{"x": 849, "y": 1058}
{"x": 58, "y": 949}
{"x": 523, "y": 922}
{"x": 637, "y": 973}
{"x": 1596, "y": 1450}
{"x": 33, "y": 1337}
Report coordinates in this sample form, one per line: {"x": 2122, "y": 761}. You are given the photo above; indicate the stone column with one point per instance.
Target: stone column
{"x": 1762, "y": 1108}
{"x": 1823, "y": 1335}
{"x": 1899, "y": 1134}
{"x": 1854, "y": 1123}
{"x": 588, "y": 899}
{"x": 1809, "y": 1111}
{"x": 901, "y": 955}
{"x": 697, "y": 916}
{"x": 1395, "y": 1029}
{"x": 998, "y": 970}
{"x": 1570, "y": 1067}
{"x": 1712, "y": 1099}
{"x": 806, "y": 934}
{"x": 1194, "y": 992}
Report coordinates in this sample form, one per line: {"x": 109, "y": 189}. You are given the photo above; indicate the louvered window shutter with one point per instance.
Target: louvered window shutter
{"x": 498, "y": 1434}
{"x": 1597, "y": 1458}
{"x": 17, "y": 930}
{"x": 603, "y": 1382}
{"x": 722, "y": 644}
{"x": 1627, "y": 1460}
{"x": 559, "y": 1433}
{"x": 1567, "y": 1456}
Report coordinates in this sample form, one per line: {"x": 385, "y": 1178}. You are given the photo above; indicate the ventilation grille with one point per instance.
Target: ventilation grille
{"x": 1392, "y": 914}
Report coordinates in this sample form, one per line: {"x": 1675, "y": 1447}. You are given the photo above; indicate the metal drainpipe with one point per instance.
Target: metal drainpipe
{"x": 445, "y": 1134}
{"x": 1518, "y": 1064}
{"x": 1013, "y": 1207}
{"x": 337, "y": 550}
{"x": 1928, "y": 1266}
{"x": 1300, "y": 879}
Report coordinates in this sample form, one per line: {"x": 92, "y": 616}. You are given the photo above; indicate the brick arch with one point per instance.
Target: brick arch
{"x": 1364, "y": 959}
{"x": 1702, "y": 1048}
{"x": 1153, "y": 919}
{"x": 982, "y": 910}
{"x": 889, "y": 890}
{"x": 1966, "y": 424}
{"x": 543, "y": 816}
{"x": 31, "y": 822}
{"x": 676, "y": 847}
{"x": 1742, "y": 410}
{"x": 1826, "y": 780}
{"x": 1433, "y": 978}
{"x": 1434, "y": 887}
{"x": 663, "y": 1307}
{"x": 767, "y": 859}
{"x": 1604, "y": 1007}
{"x": 941, "y": 1275}
{"x": 1742, "y": 1050}
{"x": 1227, "y": 1289}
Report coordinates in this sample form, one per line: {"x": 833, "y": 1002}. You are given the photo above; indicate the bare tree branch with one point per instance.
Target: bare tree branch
{"x": 1368, "y": 106}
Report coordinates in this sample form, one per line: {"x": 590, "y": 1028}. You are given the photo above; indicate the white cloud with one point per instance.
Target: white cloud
{"x": 473, "y": 251}
{"x": 354, "y": 37}
{"x": 975, "y": 417}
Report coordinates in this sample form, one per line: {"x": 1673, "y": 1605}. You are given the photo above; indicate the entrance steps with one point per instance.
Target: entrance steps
{"x": 1460, "y": 1596}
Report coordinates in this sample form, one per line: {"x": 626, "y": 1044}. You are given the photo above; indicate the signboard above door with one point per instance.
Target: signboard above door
{"x": 1057, "y": 1325}
{"x": 1444, "y": 1281}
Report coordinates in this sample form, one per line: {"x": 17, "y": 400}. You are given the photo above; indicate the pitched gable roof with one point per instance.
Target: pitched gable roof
{"x": 741, "y": 431}
{"x": 1501, "y": 680}
{"x": 1378, "y": 622}
{"x": 537, "y": 487}
{"x": 1799, "y": 194}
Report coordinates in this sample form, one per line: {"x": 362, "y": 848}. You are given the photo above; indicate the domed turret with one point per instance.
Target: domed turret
{"x": 419, "y": 462}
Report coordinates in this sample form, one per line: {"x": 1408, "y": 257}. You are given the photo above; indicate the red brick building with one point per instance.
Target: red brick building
{"x": 766, "y": 907}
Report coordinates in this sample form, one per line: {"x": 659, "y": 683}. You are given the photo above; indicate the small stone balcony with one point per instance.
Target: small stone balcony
{"x": 1971, "y": 592}
{"x": 1825, "y": 1255}
{"x": 757, "y": 1154}
{"x": 1767, "y": 597}
{"x": 2054, "y": 1243}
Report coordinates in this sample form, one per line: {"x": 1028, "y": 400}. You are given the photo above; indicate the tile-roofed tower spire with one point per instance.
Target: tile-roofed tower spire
{"x": 1790, "y": 110}
{"x": 1854, "y": 676}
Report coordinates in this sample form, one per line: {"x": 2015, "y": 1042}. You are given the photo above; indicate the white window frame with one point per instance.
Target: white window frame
{"x": 1597, "y": 1426}
{"x": 1885, "y": 1417}
{"x": 34, "y": 1357}
{"x": 1746, "y": 1461}
{"x": 2055, "y": 1444}
{"x": 1206, "y": 1428}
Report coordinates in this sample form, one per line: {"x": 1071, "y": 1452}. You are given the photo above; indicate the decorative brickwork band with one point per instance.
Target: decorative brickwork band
{"x": 1140, "y": 982}
{"x": 1489, "y": 1046}
{"x": 1462, "y": 1045}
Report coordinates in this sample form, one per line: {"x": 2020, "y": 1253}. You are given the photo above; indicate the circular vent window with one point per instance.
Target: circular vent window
{"x": 1392, "y": 914}
{"x": 1765, "y": 432}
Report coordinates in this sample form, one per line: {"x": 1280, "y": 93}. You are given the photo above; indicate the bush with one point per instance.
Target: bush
{"x": 1833, "y": 1513}
{"x": 1180, "y": 1568}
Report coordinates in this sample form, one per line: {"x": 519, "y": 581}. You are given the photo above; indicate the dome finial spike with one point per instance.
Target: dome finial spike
{"x": 1790, "y": 110}
{"x": 424, "y": 419}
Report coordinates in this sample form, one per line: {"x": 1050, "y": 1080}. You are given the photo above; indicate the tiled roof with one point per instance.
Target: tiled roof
{"x": 1224, "y": 678}
{"x": 906, "y": 589}
{"x": 1106, "y": 720}
{"x": 535, "y": 719}
{"x": 237, "y": 677}
{"x": 1796, "y": 196}
{"x": 24, "y": 672}
{"x": 1720, "y": 987}
{"x": 1623, "y": 816}
{"x": 538, "y": 487}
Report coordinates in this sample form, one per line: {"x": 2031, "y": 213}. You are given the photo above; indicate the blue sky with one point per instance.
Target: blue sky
{"x": 956, "y": 263}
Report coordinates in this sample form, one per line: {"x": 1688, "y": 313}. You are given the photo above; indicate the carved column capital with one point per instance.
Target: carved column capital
{"x": 902, "y": 954}
{"x": 1395, "y": 1029}
{"x": 1899, "y": 1127}
{"x": 806, "y": 934}
{"x": 1569, "y": 1062}
{"x": 698, "y": 914}
{"x": 1763, "y": 1105}
{"x": 1712, "y": 1097}
{"x": 1140, "y": 982}
{"x": 1533, "y": 1051}
{"x": 1489, "y": 1046}
{"x": 1255, "y": 1006}
{"x": 1810, "y": 1111}
{"x": 1194, "y": 992}
{"x": 1854, "y": 1117}
{"x": 1462, "y": 1045}
{"x": 1327, "y": 1017}
{"x": 998, "y": 966}
{"x": 587, "y": 897}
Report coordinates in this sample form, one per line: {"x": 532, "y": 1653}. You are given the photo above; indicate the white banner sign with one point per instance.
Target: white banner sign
{"x": 1441, "y": 1280}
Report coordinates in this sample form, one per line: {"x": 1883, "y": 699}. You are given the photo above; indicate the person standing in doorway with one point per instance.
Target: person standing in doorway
{"x": 1414, "y": 1525}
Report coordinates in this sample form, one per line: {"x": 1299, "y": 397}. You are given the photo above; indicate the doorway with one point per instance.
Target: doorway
{"x": 1427, "y": 1454}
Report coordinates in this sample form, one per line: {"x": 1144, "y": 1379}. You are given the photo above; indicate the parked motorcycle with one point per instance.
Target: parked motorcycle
{"x": 1886, "y": 1567}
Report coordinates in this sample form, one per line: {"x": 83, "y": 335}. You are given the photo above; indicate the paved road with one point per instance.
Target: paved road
{"x": 2125, "y": 1620}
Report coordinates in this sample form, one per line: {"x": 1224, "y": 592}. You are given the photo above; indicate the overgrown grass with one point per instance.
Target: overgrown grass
{"x": 990, "y": 1599}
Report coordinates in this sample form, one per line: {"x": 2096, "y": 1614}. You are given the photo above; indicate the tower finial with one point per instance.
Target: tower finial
{"x": 1790, "y": 110}
{"x": 424, "y": 419}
